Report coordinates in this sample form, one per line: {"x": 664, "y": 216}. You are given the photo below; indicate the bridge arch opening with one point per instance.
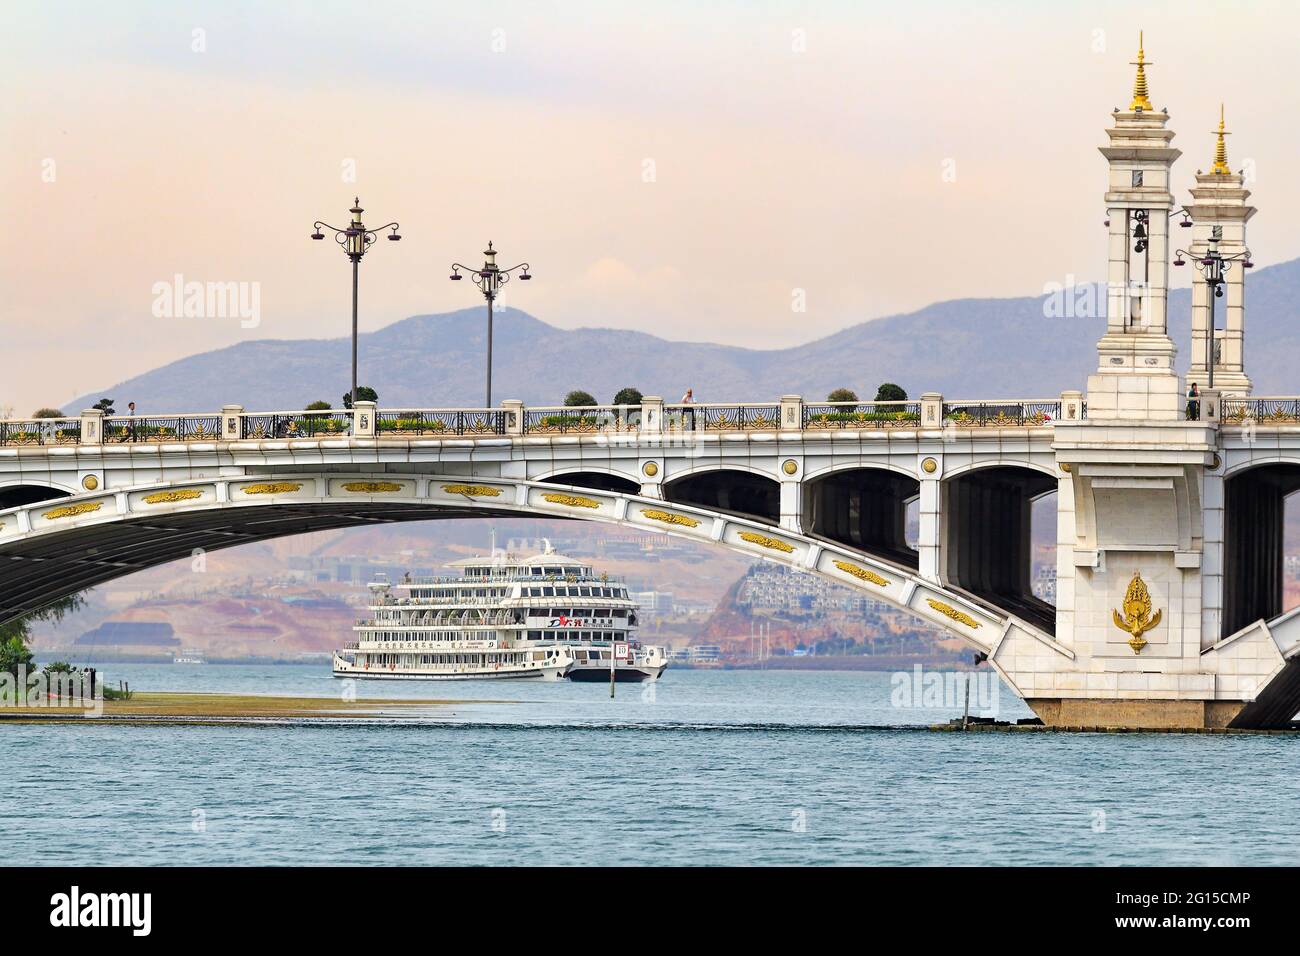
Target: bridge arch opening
{"x": 1255, "y": 505}
{"x": 864, "y": 508}
{"x": 597, "y": 481}
{"x": 988, "y": 536}
{"x": 727, "y": 489}
{"x": 15, "y": 496}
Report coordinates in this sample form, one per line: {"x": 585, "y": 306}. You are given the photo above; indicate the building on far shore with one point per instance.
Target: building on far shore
{"x": 134, "y": 639}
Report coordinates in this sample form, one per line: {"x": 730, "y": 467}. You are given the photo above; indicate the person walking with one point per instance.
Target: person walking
{"x": 1193, "y": 404}
{"x": 688, "y": 415}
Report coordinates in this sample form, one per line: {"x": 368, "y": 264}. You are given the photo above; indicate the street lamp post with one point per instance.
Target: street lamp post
{"x": 355, "y": 241}
{"x": 489, "y": 279}
{"x": 1213, "y": 265}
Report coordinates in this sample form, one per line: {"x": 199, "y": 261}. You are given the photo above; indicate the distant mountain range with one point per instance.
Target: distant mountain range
{"x": 965, "y": 348}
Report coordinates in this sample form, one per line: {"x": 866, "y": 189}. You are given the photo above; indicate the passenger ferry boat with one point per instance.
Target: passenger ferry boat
{"x": 544, "y": 617}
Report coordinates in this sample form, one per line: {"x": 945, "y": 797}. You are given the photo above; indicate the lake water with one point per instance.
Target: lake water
{"x": 724, "y": 767}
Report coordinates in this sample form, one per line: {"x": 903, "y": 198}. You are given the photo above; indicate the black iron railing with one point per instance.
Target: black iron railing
{"x": 995, "y": 414}
{"x": 474, "y": 421}
{"x": 830, "y": 415}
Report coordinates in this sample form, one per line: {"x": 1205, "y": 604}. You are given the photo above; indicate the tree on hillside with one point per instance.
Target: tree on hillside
{"x": 47, "y": 413}
{"x": 628, "y": 396}
{"x": 364, "y": 394}
{"x": 578, "y": 398}
{"x": 842, "y": 395}
{"x": 889, "y": 392}
{"x": 105, "y": 405}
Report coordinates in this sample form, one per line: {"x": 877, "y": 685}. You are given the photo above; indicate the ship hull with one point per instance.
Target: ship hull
{"x": 622, "y": 675}
{"x": 548, "y": 672}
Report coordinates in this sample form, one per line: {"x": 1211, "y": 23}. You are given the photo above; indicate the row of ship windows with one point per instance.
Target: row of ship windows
{"x": 406, "y": 660}
{"x": 577, "y": 636}
{"x": 561, "y": 590}
{"x": 548, "y": 635}
{"x": 577, "y": 612}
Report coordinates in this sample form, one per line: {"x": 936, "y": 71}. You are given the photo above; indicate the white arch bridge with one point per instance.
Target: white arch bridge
{"x": 823, "y": 488}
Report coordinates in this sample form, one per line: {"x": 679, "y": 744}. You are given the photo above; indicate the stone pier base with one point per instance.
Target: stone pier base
{"x": 1161, "y": 714}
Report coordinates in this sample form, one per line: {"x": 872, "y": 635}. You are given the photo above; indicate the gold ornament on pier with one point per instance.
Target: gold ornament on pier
{"x": 90, "y": 482}
{"x": 1137, "y": 619}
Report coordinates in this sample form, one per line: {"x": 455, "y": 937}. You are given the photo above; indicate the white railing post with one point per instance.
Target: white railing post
{"x": 931, "y": 410}
{"x": 1071, "y": 406}
{"x": 92, "y": 427}
{"x": 514, "y": 410}
{"x": 791, "y": 413}
{"x": 1210, "y": 410}
{"x": 230, "y": 430}
{"x": 363, "y": 419}
{"x": 652, "y": 414}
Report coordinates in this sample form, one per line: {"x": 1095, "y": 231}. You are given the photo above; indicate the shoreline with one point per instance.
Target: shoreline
{"x": 217, "y": 708}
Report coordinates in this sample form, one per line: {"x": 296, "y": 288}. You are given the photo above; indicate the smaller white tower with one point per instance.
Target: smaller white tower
{"x": 1219, "y": 207}
{"x": 1135, "y": 377}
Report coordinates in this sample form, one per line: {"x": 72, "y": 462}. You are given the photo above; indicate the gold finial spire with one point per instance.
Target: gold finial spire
{"x": 1221, "y": 149}
{"x": 1140, "y": 99}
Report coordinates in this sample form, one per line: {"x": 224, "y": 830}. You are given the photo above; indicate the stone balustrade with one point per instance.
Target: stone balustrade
{"x": 513, "y": 418}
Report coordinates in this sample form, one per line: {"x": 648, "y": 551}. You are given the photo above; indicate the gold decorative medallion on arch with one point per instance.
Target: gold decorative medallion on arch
{"x": 90, "y": 482}
{"x": 571, "y": 501}
{"x": 929, "y": 466}
{"x": 473, "y": 491}
{"x": 668, "y": 517}
{"x": 764, "y": 541}
{"x": 861, "y": 573}
{"x": 372, "y": 487}
{"x": 947, "y": 610}
{"x": 171, "y": 497}
{"x": 789, "y": 466}
{"x": 650, "y": 469}
{"x": 273, "y": 488}
{"x": 72, "y": 511}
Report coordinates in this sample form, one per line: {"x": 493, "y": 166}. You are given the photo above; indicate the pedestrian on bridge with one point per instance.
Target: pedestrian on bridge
{"x": 688, "y": 415}
{"x": 1193, "y": 404}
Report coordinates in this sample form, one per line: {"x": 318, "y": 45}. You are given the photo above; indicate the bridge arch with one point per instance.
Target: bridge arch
{"x": 56, "y": 548}
{"x": 14, "y": 494}
{"x": 1254, "y": 532}
{"x": 595, "y": 479}
{"x": 737, "y": 491}
{"x": 1047, "y": 468}
{"x": 986, "y": 545}
{"x": 863, "y": 507}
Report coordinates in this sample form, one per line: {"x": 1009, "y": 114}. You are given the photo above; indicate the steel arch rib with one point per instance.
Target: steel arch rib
{"x": 53, "y": 548}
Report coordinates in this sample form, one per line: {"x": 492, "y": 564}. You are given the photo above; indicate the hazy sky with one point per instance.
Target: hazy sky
{"x": 679, "y": 168}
